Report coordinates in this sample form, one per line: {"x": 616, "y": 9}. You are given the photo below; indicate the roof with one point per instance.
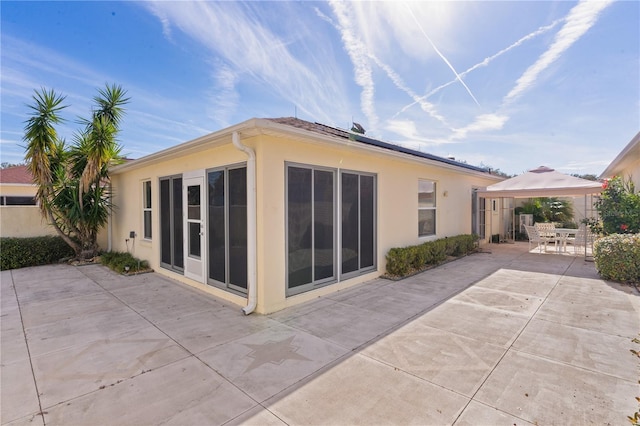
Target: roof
{"x": 344, "y": 134}
{"x": 542, "y": 182}
{"x": 290, "y": 126}
{"x": 16, "y": 175}
{"x": 629, "y": 156}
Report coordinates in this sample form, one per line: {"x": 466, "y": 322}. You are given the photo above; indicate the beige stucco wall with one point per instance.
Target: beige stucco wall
{"x": 397, "y": 206}
{"x": 22, "y": 221}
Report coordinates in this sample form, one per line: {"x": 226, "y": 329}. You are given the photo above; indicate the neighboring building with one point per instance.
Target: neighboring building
{"x": 274, "y": 212}
{"x": 626, "y": 164}
{"x": 19, "y": 214}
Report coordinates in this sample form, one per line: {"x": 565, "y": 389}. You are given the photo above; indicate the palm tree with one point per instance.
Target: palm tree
{"x": 73, "y": 183}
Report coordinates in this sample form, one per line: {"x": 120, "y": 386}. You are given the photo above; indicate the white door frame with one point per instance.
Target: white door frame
{"x": 194, "y": 260}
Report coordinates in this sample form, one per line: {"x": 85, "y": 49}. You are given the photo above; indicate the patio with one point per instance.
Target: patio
{"x": 506, "y": 337}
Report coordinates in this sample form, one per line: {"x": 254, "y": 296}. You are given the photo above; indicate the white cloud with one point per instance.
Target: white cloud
{"x": 242, "y": 39}
{"x": 224, "y": 97}
{"x": 580, "y": 19}
{"x": 482, "y": 123}
{"x": 359, "y": 57}
{"x": 458, "y": 77}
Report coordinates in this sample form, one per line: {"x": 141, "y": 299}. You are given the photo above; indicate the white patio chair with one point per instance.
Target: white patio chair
{"x": 578, "y": 242}
{"x": 546, "y": 229}
{"x": 535, "y": 237}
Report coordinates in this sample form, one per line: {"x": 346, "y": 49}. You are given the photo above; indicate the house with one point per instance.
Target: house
{"x": 19, "y": 214}
{"x": 270, "y": 213}
{"x": 626, "y": 164}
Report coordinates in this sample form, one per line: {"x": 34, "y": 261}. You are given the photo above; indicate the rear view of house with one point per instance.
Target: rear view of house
{"x": 274, "y": 212}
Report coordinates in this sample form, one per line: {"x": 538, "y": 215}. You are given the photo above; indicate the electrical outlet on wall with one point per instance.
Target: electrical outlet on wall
{"x": 132, "y": 234}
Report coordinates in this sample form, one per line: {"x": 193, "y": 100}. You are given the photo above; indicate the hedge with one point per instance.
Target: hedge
{"x": 406, "y": 260}
{"x": 617, "y": 257}
{"x": 22, "y": 252}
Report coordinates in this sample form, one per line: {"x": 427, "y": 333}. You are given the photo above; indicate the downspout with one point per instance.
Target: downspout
{"x": 252, "y": 218}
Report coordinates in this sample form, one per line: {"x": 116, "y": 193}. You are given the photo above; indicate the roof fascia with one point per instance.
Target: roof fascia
{"x": 622, "y": 158}
{"x": 278, "y": 129}
{"x": 217, "y": 138}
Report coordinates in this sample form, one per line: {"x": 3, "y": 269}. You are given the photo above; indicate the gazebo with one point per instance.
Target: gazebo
{"x": 540, "y": 182}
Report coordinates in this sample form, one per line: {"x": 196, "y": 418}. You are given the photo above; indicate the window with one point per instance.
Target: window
{"x": 313, "y": 215}
{"x": 311, "y": 211}
{"x": 146, "y": 209}
{"x": 171, "y": 226}
{"x": 358, "y": 223}
{"x": 426, "y": 208}
{"x": 8, "y": 200}
{"x": 227, "y": 227}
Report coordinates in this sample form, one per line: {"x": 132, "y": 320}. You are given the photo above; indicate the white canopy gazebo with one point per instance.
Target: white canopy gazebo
{"x": 540, "y": 182}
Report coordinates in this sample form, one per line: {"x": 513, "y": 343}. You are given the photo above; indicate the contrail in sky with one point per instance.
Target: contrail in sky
{"x": 441, "y": 55}
{"x": 581, "y": 17}
{"x": 484, "y": 62}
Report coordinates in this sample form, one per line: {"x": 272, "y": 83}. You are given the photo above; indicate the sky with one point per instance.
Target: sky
{"x": 510, "y": 85}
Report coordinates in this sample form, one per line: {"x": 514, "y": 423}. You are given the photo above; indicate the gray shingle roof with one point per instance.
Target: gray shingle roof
{"x": 341, "y": 133}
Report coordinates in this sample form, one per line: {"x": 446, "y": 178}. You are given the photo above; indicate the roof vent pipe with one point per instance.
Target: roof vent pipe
{"x": 252, "y": 298}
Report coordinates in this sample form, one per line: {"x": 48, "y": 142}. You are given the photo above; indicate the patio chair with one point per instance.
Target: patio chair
{"x": 546, "y": 229}
{"x": 578, "y": 241}
{"x": 536, "y": 237}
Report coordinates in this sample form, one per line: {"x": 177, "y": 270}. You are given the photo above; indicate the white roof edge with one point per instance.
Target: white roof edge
{"x": 529, "y": 193}
{"x": 335, "y": 140}
{"x": 612, "y": 167}
{"x": 188, "y": 146}
{"x": 256, "y": 124}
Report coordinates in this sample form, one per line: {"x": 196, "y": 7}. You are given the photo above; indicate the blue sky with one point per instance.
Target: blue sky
{"x": 511, "y": 85}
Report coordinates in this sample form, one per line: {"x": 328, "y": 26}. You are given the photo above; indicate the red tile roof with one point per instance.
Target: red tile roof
{"x": 16, "y": 174}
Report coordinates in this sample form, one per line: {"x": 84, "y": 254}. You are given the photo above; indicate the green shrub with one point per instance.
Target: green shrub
{"x": 405, "y": 260}
{"x": 122, "y": 262}
{"x": 22, "y": 252}
{"x": 617, "y": 257}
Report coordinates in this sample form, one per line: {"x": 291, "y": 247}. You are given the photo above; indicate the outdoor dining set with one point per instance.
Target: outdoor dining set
{"x": 543, "y": 233}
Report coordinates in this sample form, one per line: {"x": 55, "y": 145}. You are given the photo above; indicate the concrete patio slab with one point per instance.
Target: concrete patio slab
{"x": 205, "y": 330}
{"x": 345, "y": 325}
{"x": 267, "y": 362}
{"x": 476, "y": 321}
{"x": 182, "y": 393}
{"x": 480, "y": 414}
{"x": 362, "y": 391}
{"x": 452, "y": 361}
{"x": 542, "y": 391}
{"x": 87, "y": 367}
{"x": 500, "y": 337}
{"x": 591, "y": 350}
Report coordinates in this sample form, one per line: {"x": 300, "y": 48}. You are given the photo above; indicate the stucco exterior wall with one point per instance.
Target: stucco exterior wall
{"x": 22, "y": 221}
{"x": 397, "y": 205}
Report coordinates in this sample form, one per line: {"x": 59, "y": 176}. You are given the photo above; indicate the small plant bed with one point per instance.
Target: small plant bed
{"x": 124, "y": 263}
{"x": 404, "y": 262}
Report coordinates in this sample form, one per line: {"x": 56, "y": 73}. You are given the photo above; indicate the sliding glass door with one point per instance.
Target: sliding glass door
{"x": 227, "y": 227}
{"x": 171, "y": 226}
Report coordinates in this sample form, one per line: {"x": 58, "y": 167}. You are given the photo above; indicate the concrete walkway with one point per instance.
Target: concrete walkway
{"x": 509, "y": 337}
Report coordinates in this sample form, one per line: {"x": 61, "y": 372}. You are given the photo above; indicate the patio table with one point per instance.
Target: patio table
{"x": 563, "y": 234}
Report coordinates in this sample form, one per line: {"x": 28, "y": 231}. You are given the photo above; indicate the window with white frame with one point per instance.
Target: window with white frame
{"x": 426, "y": 208}
{"x": 146, "y": 209}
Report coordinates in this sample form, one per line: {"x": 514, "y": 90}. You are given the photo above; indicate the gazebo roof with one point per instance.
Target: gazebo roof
{"x": 541, "y": 182}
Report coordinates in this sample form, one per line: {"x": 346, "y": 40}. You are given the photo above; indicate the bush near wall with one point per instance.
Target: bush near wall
{"x": 22, "y": 252}
{"x": 124, "y": 262}
{"x": 405, "y": 261}
{"x": 617, "y": 257}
